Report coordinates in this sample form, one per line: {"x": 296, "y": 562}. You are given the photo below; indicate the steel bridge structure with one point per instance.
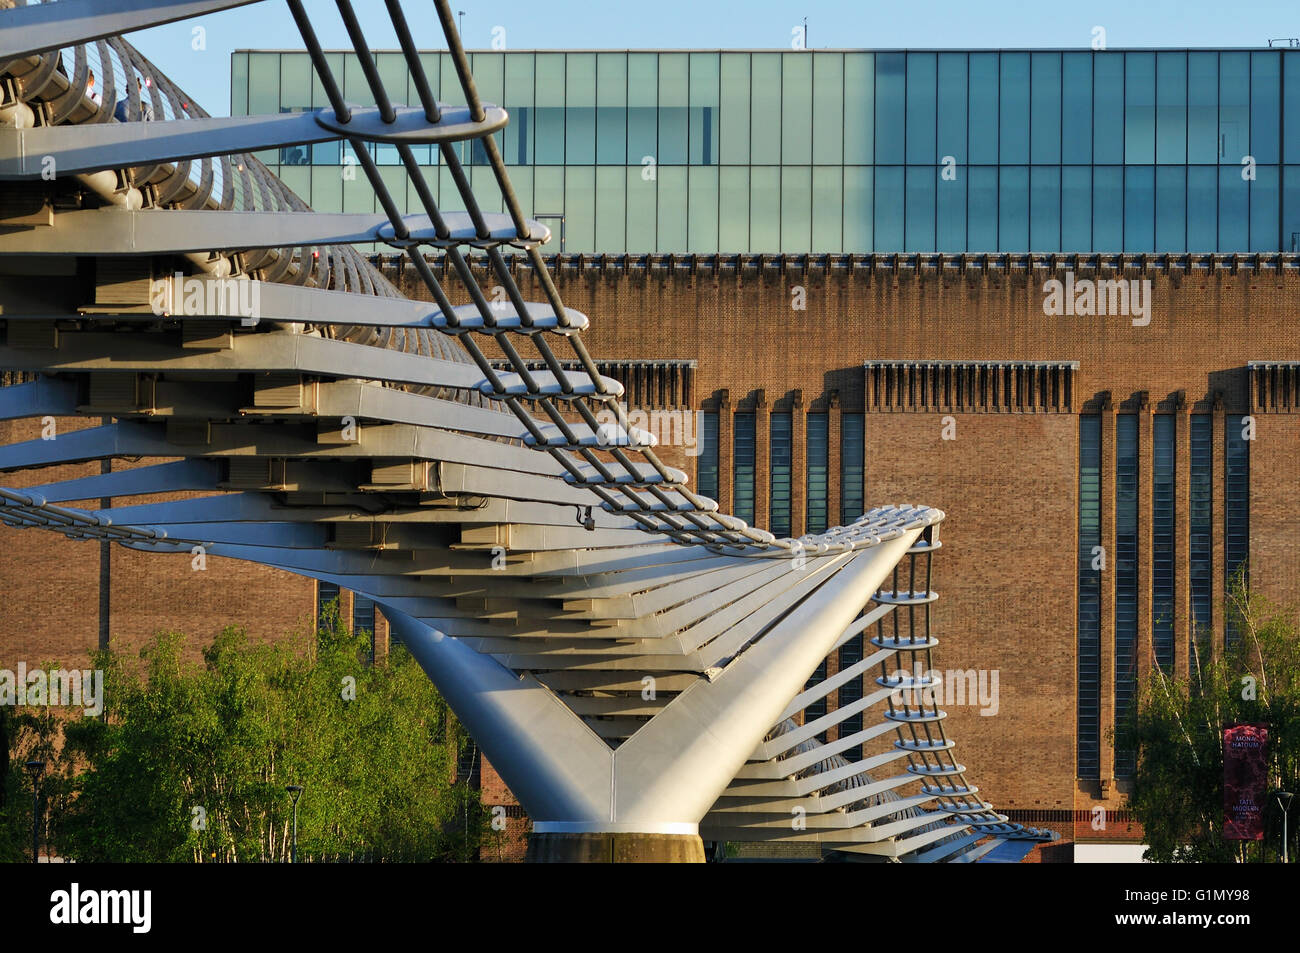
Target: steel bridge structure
{"x": 631, "y": 660}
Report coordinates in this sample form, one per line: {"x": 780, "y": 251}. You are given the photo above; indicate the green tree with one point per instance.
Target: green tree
{"x": 1177, "y": 732}
{"x": 191, "y": 760}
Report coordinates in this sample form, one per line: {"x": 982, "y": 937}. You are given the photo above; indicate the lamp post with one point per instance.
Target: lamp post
{"x": 36, "y": 769}
{"x": 1284, "y": 800}
{"x": 295, "y": 792}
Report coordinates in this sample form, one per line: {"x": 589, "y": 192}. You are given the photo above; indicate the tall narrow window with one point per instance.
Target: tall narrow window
{"x": 363, "y": 619}
{"x": 818, "y": 475}
{"x": 1162, "y": 540}
{"x": 1236, "y": 502}
{"x": 707, "y": 462}
{"x": 326, "y": 592}
{"x": 743, "y": 459}
{"x": 781, "y": 465}
{"x": 852, "y": 450}
{"x": 1089, "y": 610}
{"x": 1201, "y": 519}
{"x": 1126, "y": 576}
{"x": 816, "y": 709}
{"x": 850, "y": 692}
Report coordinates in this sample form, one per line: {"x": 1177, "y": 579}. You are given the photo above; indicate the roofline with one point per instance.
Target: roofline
{"x": 918, "y": 49}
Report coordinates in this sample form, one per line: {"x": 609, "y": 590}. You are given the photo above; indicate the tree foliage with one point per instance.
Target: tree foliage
{"x": 1177, "y": 732}
{"x": 191, "y": 760}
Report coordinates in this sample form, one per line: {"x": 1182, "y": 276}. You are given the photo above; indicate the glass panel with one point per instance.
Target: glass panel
{"x": 1171, "y": 209}
{"x": 1126, "y": 570}
{"x": 1201, "y": 541}
{"x": 950, "y": 206}
{"x": 1203, "y": 108}
{"x": 796, "y": 108}
{"x": 1236, "y": 523}
{"x": 548, "y": 116}
{"x": 1076, "y": 208}
{"x": 580, "y": 112}
{"x": 889, "y": 210}
{"x": 1088, "y": 623}
{"x": 733, "y": 209}
{"x": 1234, "y": 106}
{"x": 921, "y": 91}
{"x": 781, "y": 449}
{"x": 1045, "y": 109}
{"x": 1171, "y": 108}
{"x": 852, "y": 461}
{"x": 672, "y": 209}
{"x": 1291, "y": 209}
{"x": 1013, "y": 208}
{"x": 1139, "y": 209}
{"x": 1108, "y": 198}
{"x": 890, "y": 107}
{"x": 295, "y": 81}
{"x": 642, "y": 114}
{"x": 796, "y": 213}
{"x": 828, "y": 108}
{"x": 743, "y": 463}
{"x": 733, "y": 119}
{"x": 611, "y": 109}
{"x": 1162, "y": 541}
{"x": 858, "y": 212}
{"x": 518, "y": 147}
{"x": 1264, "y": 207}
{"x": 702, "y": 233}
{"x": 952, "y": 109}
{"x": 611, "y": 209}
{"x": 706, "y": 464}
{"x": 765, "y": 209}
{"x": 982, "y": 206}
{"x": 1076, "y": 108}
{"x": 641, "y": 201}
{"x": 239, "y": 84}
{"x": 674, "y": 116}
{"x": 828, "y": 208}
{"x": 818, "y": 473}
{"x": 1014, "y": 112}
{"x": 1140, "y": 108}
{"x": 983, "y": 109}
{"x": 1265, "y": 106}
{"x": 1202, "y": 209}
{"x": 1291, "y": 114}
{"x": 765, "y": 114}
{"x": 704, "y": 109}
{"x": 918, "y": 234}
{"x": 859, "y": 109}
{"x": 1045, "y": 208}
{"x": 579, "y": 209}
{"x": 1108, "y": 107}
{"x": 1234, "y": 207}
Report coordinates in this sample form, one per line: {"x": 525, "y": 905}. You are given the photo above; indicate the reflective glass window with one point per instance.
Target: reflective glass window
{"x": 796, "y": 210}
{"x": 579, "y": 208}
{"x": 642, "y": 111}
{"x": 705, "y": 81}
{"x": 765, "y": 115}
{"x": 983, "y": 122}
{"x": 611, "y": 109}
{"x": 827, "y": 209}
{"x": 951, "y": 104}
{"x": 1076, "y": 208}
{"x": 1140, "y": 108}
{"x": 518, "y": 100}
{"x": 743, "y": 460}
{"x": 889, "y": 209}
{"x": 1265, "y": 106}
{"x": 1234, "y": 106}
{"x": 1171, "y": 208}
{"x": 859, "y": 216}
{"x": 1139, "y": 209}
{"x": 580, "y": 109}
{"x": 1108, "y": 107}
{"x": 818, "y": 475}
{"x": 918, "y": 231}
{"x": 765, "y": 209}
{"x": 1045, "y": 109}
{"x": 891, "y": 107}
{"x": 641, "y": 206}
{"x": 1076, "y": 108}
{"x": 1291, "y": 208}
{"x": 950, "y": 211}
{"x": 548, "y": 116}
{"x": 671, "y": 233}
{"x": 828, "y": 108}
{"x": 859, "y": 108}
{"x": 1202, "y": 208}
{"x": 1108, "y": 199}
{"x": 796, "y": 108}
{"x": 1291, "y": 100}
{"x": 922, "y": 80}
{"x": 1171, "y": 108}
{"x": 1202, "y": 108}
{"x": 1264, "y": 206}
{"x": 982, "y": 208}
{"x": 733, "y": 111}
{"x": 781, "y": 459}
{"x": 852, "y": 461}
{"x": 1013, "y": 112}
{"x": 1013, "y": 208}
{"x": 611, "y": 209}
{"x": 1234, "y": 207}
{"x": 1045, "y": 208}
{"x": 702, "y": 227}
{"x": 733, "y": 209}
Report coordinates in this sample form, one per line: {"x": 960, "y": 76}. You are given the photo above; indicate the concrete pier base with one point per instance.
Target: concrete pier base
{"x": 615, "y": 849}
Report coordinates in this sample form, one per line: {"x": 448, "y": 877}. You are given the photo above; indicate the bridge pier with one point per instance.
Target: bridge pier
{"x": 615, "y": 848}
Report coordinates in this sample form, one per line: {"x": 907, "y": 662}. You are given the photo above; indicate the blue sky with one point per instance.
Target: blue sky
{"x": 749, "y": 24}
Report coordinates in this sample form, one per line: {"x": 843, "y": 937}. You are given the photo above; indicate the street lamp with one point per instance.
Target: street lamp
{"x": 1284, "y": 800}
{"x": 295, "y": 791}
{"x": 36, "y": 769}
